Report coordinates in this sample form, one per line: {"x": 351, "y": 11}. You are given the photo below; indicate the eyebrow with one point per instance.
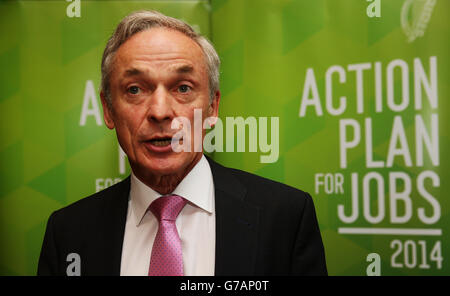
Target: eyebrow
{"x": 133, "y": 72}
{"x": 184, "y": 69}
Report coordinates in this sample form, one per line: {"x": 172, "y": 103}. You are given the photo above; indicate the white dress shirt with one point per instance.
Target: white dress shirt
{"x": 195, "y": 224}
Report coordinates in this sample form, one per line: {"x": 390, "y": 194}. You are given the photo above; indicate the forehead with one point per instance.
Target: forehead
{"x": 161, "y": 45}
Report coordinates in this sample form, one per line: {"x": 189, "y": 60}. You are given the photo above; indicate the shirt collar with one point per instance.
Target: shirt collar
{"x": 197, "y": 187}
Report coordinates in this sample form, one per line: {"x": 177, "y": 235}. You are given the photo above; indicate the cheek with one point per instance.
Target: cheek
{"x": 129, "y": 116}
{"x": 127, "y": 128}
{"x": 197, "y": 117}
{"x": 194, "y": 109}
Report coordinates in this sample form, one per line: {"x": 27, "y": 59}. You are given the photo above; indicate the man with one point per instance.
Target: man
{"x": 222, "y": 221}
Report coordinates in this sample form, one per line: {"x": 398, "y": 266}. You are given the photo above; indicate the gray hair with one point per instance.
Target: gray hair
{"x": 143, "y": 20}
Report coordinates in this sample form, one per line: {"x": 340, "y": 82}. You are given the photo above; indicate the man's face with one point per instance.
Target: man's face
{"x": 158, "y": 75}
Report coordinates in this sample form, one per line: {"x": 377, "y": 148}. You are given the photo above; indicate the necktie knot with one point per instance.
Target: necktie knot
{"x": 167, "y": 207}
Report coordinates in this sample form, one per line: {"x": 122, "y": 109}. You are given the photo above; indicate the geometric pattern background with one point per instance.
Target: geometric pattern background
{"x": 49, "y": 62}
{"x": 47, "y": 159}
{"x": 266, "y": 50}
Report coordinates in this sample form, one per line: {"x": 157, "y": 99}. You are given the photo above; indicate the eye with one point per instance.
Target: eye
{"x": 184, "y": 88}
{"x": 134, "y": 90}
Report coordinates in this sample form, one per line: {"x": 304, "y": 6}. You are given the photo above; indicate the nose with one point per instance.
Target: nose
{"x": 160, "y": 106}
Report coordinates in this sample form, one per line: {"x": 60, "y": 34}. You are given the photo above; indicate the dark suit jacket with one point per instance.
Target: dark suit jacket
{"x": 262, "y": 228}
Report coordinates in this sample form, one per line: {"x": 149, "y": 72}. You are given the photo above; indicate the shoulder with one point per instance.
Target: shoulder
{"x": 90, "y": 207}
{"x": 263, "y": 184}
{"x": 258, "y": 190}
{"x": 270, "y": 190}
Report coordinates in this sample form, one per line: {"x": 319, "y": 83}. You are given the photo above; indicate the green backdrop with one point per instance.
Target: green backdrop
{"x": 361, "y": 101}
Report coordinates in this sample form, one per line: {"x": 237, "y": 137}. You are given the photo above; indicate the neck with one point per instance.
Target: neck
{"x": 165, "y": 184}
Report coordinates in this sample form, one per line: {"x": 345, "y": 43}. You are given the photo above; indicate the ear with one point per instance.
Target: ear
{"x": 213, "y": 109}
{"x": 107, "y": 112}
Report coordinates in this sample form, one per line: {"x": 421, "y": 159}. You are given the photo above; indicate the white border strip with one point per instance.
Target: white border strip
{"x": 388, "y": 231}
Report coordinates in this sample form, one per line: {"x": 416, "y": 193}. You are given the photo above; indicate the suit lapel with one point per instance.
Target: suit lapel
{"x": 111, "y": 239}
{"x": 236, "y": 225}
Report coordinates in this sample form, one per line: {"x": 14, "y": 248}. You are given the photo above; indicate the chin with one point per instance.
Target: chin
{"x": 167, "y": 165}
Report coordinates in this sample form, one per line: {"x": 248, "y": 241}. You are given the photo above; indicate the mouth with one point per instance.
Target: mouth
{"x": 160, "y": 142}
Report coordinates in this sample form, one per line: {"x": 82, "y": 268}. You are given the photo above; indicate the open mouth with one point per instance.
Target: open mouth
{"x": 165, "y": 141}
{"x": 161, "y": 142}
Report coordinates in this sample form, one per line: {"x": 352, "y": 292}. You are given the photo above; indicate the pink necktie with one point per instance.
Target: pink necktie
{"x": 167, "y": 258}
